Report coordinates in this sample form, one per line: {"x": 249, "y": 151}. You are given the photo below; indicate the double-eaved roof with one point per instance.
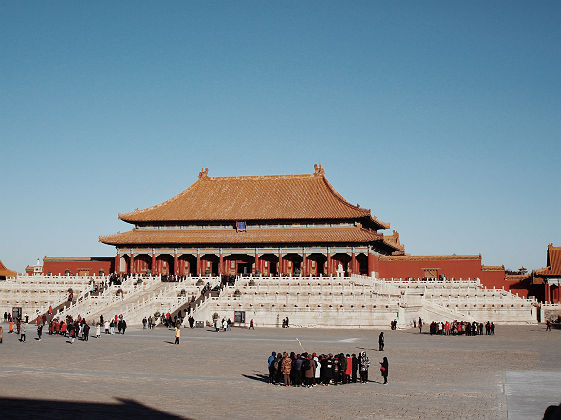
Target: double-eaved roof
{"x": 264, "y": 200}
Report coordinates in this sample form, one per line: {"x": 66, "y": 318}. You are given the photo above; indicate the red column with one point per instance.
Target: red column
{"x": 370, "y": 263}
{"x": 328, "y": 273}
{"x": 132, "y": 271}
{"x": 117, "y": 263}
{"x": 154, "y": 269}
{"x": 198, "y": 264}
{"x": 280, "y": 268}
{"x": 304, "y": 269}
{"x": 257, "y": 265}
{"x": 221, "y": 264}
{"x": 175, "y": 265}
{"x": 353, "y": 263}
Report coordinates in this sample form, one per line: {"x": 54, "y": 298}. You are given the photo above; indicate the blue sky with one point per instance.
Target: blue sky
{"x": 444, "y": 118}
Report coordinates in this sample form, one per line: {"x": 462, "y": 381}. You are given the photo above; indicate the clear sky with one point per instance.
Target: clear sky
{"x": 442, "y": 117}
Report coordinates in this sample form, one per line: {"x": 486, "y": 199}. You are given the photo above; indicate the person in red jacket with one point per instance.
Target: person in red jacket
{"x": 349, "y": 369}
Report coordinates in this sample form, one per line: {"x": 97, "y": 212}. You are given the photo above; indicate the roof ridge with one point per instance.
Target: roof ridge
{"x": 256, "y": 177}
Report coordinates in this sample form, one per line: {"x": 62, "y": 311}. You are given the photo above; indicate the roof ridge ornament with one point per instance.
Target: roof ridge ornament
{"x": 203, "y": 173}
{"x": 318, "y": 170}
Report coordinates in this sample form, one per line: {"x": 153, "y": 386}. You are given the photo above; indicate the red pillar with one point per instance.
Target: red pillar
{"x": 328, "y": 271}
{"x": 198, "y": 264}
{"x": 304, "y": 269}
{"x": 132, "y": 271}
{"x": 353, "y": 263}
{"x": 175, "y": 265}
{"x": 370, "y": 263}
{"x": 117, "y": 263}
{"x": 154, "y": 269}
{"x": 547, "y": 297}
{"x": 257, "y": 265}
{"x": 280, "y": 268}
{"x": 221, "y": 264}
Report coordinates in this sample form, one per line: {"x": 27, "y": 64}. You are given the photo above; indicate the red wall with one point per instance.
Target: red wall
{"x": 454, "y": 267}
{"x": 413, "y": 267}
{"x": 57, "y": 266}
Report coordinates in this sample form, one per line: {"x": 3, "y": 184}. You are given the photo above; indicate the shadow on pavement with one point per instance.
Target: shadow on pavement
{"x": 258, "y": 377}
{"x": 19, "y": 408}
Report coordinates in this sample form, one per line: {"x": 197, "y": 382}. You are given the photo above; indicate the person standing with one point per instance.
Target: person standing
{"x": 177, "y": 335}
{"x": 420, "y": 324}
{"x": 39, "y": 331}
{"x": 144, "y": 322}
{"x": 97, "y": 330}
{"x": 384, "y": 369}
{"x": 270, "y": 365}
{"x": 381, "y": 341}
{"x": 86, "y": 332}
{"x": 310, "y": 372}
{"x": 22, "y": 333}
{"x": 364, "y": 363}
{"x": 286, "y": 368}
{"x": 355, "y": 368}
{"x": 349, "y": 369}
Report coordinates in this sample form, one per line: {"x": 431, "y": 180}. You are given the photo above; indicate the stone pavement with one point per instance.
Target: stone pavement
{"x": 221, "y": 375}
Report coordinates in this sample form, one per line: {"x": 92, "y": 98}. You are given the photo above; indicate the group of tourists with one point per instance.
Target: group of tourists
{"x": 462, "y": 328}
{"x": 309, "y": 369}
{"x": 172, "y": 321}
{"x": 224, "y": 324}
{"x": 148, "y": 322}
{"x": 118, "y": 321}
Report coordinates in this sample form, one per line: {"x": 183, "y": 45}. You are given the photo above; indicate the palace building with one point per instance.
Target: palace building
{"x": 269, "y": 225}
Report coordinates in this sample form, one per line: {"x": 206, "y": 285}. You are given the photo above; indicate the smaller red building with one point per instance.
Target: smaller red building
{"x": 78, "y": 266}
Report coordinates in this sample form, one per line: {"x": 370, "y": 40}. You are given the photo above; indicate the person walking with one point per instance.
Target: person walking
{"x": 22, "y": 333}
{"x": 39, "y": 331}
{"x": 251, "y": 325}
{"x": 381, "y": 341}
{"x": 97, "y": 330}
{"x": 177, "y": 334}
{"x": 384, "y": 369}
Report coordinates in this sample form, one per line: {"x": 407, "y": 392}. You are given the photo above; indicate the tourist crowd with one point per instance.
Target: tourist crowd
{"x": 461, "y": 328}
{"x": 309, "y": 370}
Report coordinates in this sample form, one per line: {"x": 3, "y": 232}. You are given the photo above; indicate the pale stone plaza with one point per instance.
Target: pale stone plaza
{"x": 513, "y": 374}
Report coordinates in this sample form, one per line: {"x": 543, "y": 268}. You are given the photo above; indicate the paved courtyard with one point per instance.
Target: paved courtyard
{"x": 514, "y": 374}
